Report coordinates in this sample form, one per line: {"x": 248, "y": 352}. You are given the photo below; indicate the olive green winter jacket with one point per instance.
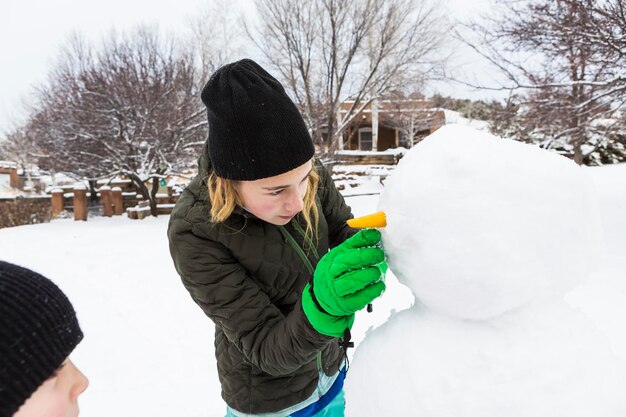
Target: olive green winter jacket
{"x": 248, "y": 275}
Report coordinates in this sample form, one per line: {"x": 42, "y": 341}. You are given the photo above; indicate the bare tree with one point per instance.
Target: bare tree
{"x": 327, "y": 51}
{"x": 564, "y": 59}
{"x": 131, "y": 106}
{"x": 18, "y": 146}
{"x": 217, "y": 35}
{"x": 21, "y": 147}
{"x": 411, "y": 114}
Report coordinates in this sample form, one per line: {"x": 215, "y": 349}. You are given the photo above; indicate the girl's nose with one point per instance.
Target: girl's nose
{"x": 80, "y": 382}
{"x": 295, "y": 203}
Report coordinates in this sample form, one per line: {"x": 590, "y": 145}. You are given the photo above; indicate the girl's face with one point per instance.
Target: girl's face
{"x": 276, "y": 199}
{"x": 57, "y": 396}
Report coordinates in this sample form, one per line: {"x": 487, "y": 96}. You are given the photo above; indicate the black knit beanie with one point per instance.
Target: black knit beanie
{"x": 38, "y": 331}
{"x": 255, "y": 130}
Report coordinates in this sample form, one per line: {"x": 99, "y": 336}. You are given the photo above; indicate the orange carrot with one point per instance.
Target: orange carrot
{"x": 371, "y": 220}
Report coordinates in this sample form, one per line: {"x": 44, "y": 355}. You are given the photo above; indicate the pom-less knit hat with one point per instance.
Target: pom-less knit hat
{"x": 255, "y": 130}
{"x": 38, "y": 330}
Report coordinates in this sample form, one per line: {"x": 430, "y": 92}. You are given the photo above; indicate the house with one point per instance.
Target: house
{"x": 385, "y": 124}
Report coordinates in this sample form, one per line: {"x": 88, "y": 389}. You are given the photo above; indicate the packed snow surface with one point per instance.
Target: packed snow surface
{"x": 489, "y": 235}
{"x": 479, "y": 225}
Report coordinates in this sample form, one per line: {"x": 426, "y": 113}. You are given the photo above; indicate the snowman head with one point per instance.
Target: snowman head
{"x": 478, "y": 225}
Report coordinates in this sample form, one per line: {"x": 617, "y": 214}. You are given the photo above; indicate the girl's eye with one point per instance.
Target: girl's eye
{"x": 275, "y": 193}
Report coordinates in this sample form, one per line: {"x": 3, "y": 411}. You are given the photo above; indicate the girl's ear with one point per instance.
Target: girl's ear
{"x": 234, "y": 184}
{"x": 220, "y": 182}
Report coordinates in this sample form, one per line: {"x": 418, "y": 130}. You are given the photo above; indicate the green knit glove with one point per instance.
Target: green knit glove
{"x": 346, "y": 279}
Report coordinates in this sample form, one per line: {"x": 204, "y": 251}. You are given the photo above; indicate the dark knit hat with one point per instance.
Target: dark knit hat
{"x": 38, "y": 330}
{"x": 255, "y": 130}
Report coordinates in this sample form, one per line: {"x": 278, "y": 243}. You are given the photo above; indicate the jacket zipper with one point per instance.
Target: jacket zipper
{"x": 297, "y": 248}
{"x": 308, "y": 240}
{"x": 306, "y": 262}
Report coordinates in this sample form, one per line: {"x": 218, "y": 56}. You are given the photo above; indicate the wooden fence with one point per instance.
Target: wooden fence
{"x": 111, "y": 198}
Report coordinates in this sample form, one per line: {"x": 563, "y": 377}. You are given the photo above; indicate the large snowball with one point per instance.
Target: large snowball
{"x": 479, "y": 225}
{"x": 547, "y": 360}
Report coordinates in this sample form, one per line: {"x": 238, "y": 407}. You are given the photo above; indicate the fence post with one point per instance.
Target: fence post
{"x": 80, "y": 202}
{"x": 117, "y": 200}
{"x": 57, "y": 202}
{"x": 105, "y": 197}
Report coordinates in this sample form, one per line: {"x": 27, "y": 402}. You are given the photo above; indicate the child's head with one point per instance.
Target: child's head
{"x": 38, "y": 331}
{"x": 260, "y": 148}
{"x": 275, "y": 199}
{"x": 255, "y": 130}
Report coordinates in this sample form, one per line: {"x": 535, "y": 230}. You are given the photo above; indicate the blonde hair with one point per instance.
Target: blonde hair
{"x": 224, "y": 198}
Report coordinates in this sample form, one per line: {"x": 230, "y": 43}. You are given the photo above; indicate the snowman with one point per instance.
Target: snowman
{"x": 489, "y": 234}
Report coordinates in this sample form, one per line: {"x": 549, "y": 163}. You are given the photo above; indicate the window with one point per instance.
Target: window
{"x": 365, "y": 139}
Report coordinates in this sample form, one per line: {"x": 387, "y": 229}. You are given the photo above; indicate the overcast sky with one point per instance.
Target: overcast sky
{"x": 31, "y": 32}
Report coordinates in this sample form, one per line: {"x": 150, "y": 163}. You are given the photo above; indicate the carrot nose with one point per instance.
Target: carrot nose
{"x": 371, "y": 220}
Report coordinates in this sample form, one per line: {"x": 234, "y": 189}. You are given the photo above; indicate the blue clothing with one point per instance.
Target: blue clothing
{"x": 330, "y": 404}
{"x": 322, "y": 407}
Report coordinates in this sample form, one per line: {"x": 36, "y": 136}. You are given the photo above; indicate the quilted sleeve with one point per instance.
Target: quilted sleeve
{"x": 277, "y": 344}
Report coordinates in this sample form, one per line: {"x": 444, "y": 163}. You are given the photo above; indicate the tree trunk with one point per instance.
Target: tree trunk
{"x": 144, "y": 191}
{"x": 153, "y": 193}
{"x": 578, "y": 154}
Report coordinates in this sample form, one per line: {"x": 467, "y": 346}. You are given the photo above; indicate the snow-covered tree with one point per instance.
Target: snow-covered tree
{"x": 131, "y": 106}
{"x": 564, "y": 60}
{"x": 20, "y": 147}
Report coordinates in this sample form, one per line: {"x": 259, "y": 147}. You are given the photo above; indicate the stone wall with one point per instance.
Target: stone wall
{"x": 24, "y": 210}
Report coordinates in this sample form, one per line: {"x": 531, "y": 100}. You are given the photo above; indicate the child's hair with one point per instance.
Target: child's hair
{"x": 38, "y": 331}
{"x": 224, "y": 199}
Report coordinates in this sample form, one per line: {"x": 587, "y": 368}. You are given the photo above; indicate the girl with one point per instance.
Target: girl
{"x": 250, "y": 238}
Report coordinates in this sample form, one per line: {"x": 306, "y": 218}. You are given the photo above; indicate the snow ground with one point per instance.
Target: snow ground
{"x": 148, "y": 350}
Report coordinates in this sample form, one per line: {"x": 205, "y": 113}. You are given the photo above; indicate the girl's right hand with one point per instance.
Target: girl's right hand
{"x": 346, "y": 279}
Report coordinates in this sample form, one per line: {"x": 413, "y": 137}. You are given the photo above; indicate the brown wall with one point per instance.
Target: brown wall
{"x": 21, "y": 210}
{"x": 432, "y": 119}
{"x": 386, "y": 138}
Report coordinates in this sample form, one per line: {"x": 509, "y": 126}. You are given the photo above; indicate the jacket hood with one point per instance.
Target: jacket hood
{"x": 204, "y": 162}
